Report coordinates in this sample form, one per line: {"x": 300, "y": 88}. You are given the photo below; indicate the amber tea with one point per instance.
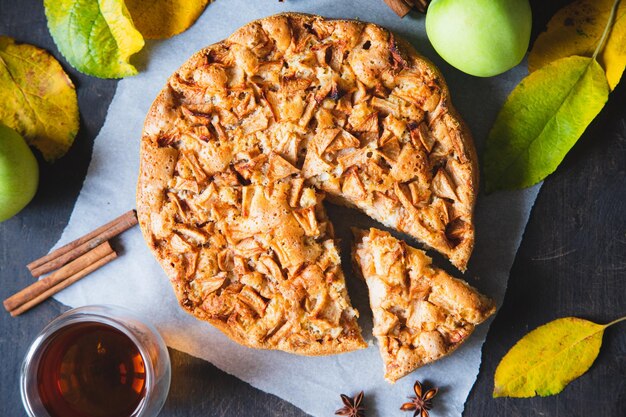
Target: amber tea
{"x": 91, "y": 369}
{"x": 96, "y": 361}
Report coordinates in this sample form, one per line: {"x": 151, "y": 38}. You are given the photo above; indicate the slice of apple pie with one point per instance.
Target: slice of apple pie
{"x": 420, "y": 312}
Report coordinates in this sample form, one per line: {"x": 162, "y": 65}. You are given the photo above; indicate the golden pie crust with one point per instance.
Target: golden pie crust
{"x": 241, "y": 145}
{"x": 421, "y": 313}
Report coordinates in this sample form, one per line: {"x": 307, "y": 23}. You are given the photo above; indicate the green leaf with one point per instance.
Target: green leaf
{"x": 541, "y": 120}
{"x": 97, "y": 37}
{"x": 38, "y": 98}
{"x": 547, "y": 359}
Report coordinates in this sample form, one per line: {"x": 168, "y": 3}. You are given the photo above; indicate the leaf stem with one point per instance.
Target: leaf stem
{"x": 607, "y": 29}
{"x": 615, "y": 321}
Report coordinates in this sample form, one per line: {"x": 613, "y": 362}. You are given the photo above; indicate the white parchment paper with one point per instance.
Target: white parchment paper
{"x": 135, "y": 279}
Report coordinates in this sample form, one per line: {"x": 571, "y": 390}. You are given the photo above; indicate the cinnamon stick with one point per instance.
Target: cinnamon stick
{"x": 63, "y": 284}
{"x": 403, "y": 7}
{"x": 400, "y": 7}
{"x": 80, "y": 267}
{"x": 78, "y": 247}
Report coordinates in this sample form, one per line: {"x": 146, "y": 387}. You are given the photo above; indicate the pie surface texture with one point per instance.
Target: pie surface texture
{"x": 421, "y": 313}
{"x": 242, "y": 144}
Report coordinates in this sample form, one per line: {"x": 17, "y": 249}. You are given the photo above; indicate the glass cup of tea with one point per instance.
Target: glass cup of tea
{"x": 99, "y": 360}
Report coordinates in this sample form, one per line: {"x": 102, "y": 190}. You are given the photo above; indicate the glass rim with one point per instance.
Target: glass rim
{"x": 95, "y": 314}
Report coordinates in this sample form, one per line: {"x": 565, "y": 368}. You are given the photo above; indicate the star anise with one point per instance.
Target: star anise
{"x": 352, "y": 406}
{"x": 422, "y": 402}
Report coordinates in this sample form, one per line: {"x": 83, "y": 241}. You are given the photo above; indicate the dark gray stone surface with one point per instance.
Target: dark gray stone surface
{"x": 572, "y": 262}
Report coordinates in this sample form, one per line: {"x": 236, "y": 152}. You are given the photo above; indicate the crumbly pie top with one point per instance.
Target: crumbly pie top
{"x": 420, "y": 312}
{"x": 237, "y": 142}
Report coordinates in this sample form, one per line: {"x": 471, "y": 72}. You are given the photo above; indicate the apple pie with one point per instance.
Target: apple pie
{"x": 243, "y": 139}
{"x": 420, "y": 312}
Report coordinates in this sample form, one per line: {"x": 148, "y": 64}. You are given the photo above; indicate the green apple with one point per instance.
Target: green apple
{"x": 19, "y": 173}
{"x": 480, "y": 37}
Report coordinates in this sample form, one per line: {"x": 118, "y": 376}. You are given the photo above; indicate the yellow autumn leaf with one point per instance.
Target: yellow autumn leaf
{"x": 576, "y": 30}
{"x": 547, "y": 359}
{"x": 38, "y": 98}
{"x": 160, "y": 19}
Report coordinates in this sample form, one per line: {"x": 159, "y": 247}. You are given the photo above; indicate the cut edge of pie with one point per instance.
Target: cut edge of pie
{"x": 420, "y": 312}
